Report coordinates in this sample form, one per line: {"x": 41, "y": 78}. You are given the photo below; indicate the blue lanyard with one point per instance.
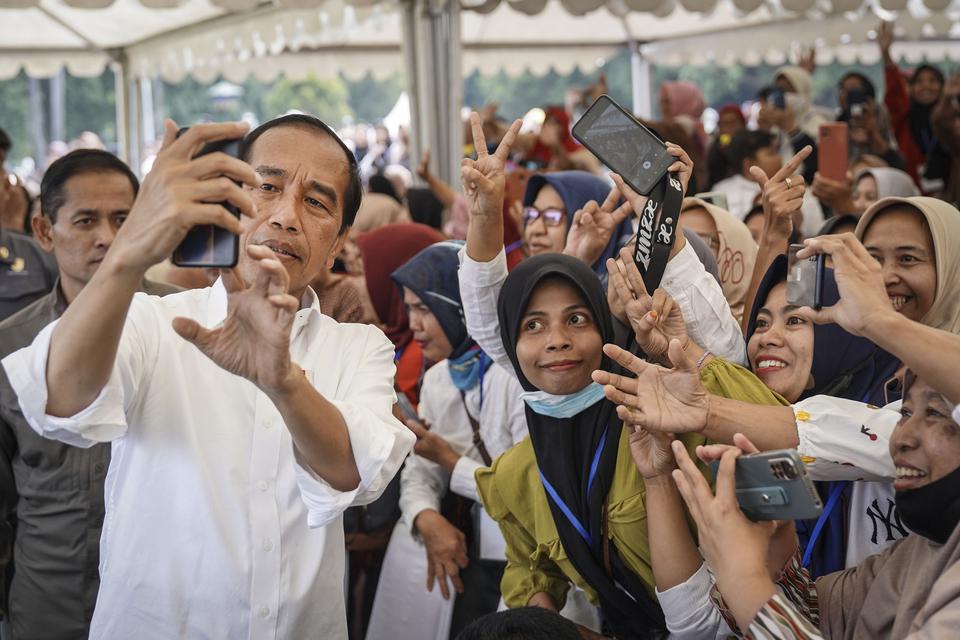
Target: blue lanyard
{"x": 822, "y": 520}
{"x": 832, "y": 501}
{"x": 564, "y": 509}
{"x": 483, "y": 372}
{"x": 513, "y": 246}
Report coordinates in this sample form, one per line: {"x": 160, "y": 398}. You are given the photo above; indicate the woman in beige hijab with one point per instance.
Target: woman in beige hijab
{"x": 377, "y": 210}
{"x": 732, "y": 245}
{"x": 917, "y": 241}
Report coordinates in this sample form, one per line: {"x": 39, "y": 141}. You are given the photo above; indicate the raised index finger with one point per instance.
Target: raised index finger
{"x": 479, "y": 140}
{"x": 506, "y": 143}
{"x": 793, "y": 164}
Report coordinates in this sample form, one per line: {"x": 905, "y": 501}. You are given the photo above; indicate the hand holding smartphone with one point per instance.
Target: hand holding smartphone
{"x": 623, "y": 144}
{"x": 209, "y": 245}
{"x": 805, "y": 279}
{"x": 642, "y": 160}
{"x": 774, "y": 485}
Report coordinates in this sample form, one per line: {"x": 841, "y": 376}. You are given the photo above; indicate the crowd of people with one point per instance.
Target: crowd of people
{"x": 457, "y": 411}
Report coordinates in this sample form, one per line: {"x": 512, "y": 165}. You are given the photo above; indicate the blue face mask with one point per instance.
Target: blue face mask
{"x": 547, "y": 404}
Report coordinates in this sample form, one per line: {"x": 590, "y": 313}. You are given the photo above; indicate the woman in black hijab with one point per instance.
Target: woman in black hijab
{"x": 554, "y": 320}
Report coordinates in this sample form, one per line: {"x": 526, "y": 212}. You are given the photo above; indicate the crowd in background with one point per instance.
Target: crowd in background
{"x": 564, "y": 415}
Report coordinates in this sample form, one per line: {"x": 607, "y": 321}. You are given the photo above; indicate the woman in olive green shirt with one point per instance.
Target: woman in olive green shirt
{"x": 569, "y": 499}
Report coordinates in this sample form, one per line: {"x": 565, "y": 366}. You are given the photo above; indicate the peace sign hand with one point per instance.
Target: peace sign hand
{"x": 594, "y": 225}
{"x": 484, "y": 179}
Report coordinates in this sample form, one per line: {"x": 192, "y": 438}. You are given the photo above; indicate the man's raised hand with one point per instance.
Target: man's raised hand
{"x": 181, "y": 192}
{"x": 254, "y": 339}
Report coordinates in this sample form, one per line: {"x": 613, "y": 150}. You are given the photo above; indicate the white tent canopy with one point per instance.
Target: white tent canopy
{"x": 202, "y": 39}
{"x": 435, "y": 41}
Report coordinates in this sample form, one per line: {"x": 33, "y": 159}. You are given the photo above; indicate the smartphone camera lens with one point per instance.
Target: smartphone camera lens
{"x": 646, "y": 165}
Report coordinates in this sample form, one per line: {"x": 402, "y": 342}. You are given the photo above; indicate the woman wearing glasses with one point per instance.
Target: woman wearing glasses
{"x": 551, "y": 204}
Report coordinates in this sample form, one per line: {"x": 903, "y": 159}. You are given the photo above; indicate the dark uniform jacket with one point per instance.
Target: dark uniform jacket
{"x": 51, "y": 504}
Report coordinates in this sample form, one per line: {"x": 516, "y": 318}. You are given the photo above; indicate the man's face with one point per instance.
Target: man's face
{"x": 95, "y": 205}
{"x": 305, "y": 175}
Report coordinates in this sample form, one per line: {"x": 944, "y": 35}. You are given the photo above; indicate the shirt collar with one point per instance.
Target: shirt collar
{"x": 217, "y": 307}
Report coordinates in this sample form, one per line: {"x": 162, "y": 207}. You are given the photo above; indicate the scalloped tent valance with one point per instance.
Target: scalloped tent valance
{"x": 206, "y": 39}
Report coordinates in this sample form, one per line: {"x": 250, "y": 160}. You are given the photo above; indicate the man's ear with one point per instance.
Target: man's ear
{"x": 337, "y": 247}
{"x": 42, "y": 231}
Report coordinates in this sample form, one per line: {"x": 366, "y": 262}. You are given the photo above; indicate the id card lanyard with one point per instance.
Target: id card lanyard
{"x": 564, "y": 508}
{"x": 657, "y": 230}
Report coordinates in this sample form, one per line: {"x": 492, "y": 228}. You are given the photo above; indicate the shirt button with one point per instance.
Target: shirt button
{"x": 98, "y": 467}
{"x": 267, "y": 546}
{"x": 264, "y": 612}
{"x": 263, "y": 485}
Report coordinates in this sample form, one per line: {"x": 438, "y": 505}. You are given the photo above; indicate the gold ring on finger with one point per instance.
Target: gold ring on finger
{"x": 789, "y": 183}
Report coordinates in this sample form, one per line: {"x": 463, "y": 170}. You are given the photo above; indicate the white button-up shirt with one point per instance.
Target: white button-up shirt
{"x": 213, "y": 529}
{"x": 502, "y": 424}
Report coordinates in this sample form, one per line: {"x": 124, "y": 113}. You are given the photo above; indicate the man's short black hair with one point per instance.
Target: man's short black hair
{"x": 745, "y": 144}
{"x": 526, "y": 623}
{"x": 354, "y": 192}
{"x": 865, "y": 82}
{"x": 52, "y": 195}
{"x": 5, "y": 143}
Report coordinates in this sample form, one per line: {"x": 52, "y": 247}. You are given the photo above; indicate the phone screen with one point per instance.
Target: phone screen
{"x": 209, "y": 245}
{"x": 804, "y": 279}
{"x": 623, "y": 144}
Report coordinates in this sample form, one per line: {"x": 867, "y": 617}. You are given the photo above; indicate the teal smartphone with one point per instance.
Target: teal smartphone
{"x": 774, "y": 485}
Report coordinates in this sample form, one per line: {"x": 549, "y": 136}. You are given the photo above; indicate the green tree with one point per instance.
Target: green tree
{"x": 326, "y": 99}
{"x": 371, "y": 99}
{"x": 14, "y": 116}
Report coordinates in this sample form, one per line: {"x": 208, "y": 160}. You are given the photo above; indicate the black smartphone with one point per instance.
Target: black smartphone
{"x": 805, "y": 279}
{"x": 623, "y": 144}
{"x": 777, "y": 98}
{"x": 774, "y": 485}
{"x": 208, "y": 245}
{"x": 856, "y": 101}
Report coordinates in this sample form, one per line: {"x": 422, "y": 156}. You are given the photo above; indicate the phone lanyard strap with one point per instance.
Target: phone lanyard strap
{"x": 564, "y": 509}
{"x": 657, "y": 230}
{"x": 832, "y": 501}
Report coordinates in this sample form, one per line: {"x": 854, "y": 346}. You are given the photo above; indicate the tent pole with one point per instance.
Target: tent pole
{"x": 409, "y": 12}
{"x": 122, "y": 98}
{"x": 641, "y": 78}
{"x": 435, "y": 81}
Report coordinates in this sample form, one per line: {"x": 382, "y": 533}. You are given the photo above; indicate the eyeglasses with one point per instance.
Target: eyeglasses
{"x": 551, "y": 217}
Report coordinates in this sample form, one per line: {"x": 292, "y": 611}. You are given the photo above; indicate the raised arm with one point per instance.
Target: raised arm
{"x": 483, "y": 264}
{"x": 174, "y": 197}
{"x": 864, "y": 309}
{"x": 782, "y": 199}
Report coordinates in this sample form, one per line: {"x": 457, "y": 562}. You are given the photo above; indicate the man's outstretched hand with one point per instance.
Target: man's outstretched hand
{"x": 254, "y": 339}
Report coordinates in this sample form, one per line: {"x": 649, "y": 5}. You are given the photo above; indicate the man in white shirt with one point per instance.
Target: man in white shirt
{"x": 233, "y": 457}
